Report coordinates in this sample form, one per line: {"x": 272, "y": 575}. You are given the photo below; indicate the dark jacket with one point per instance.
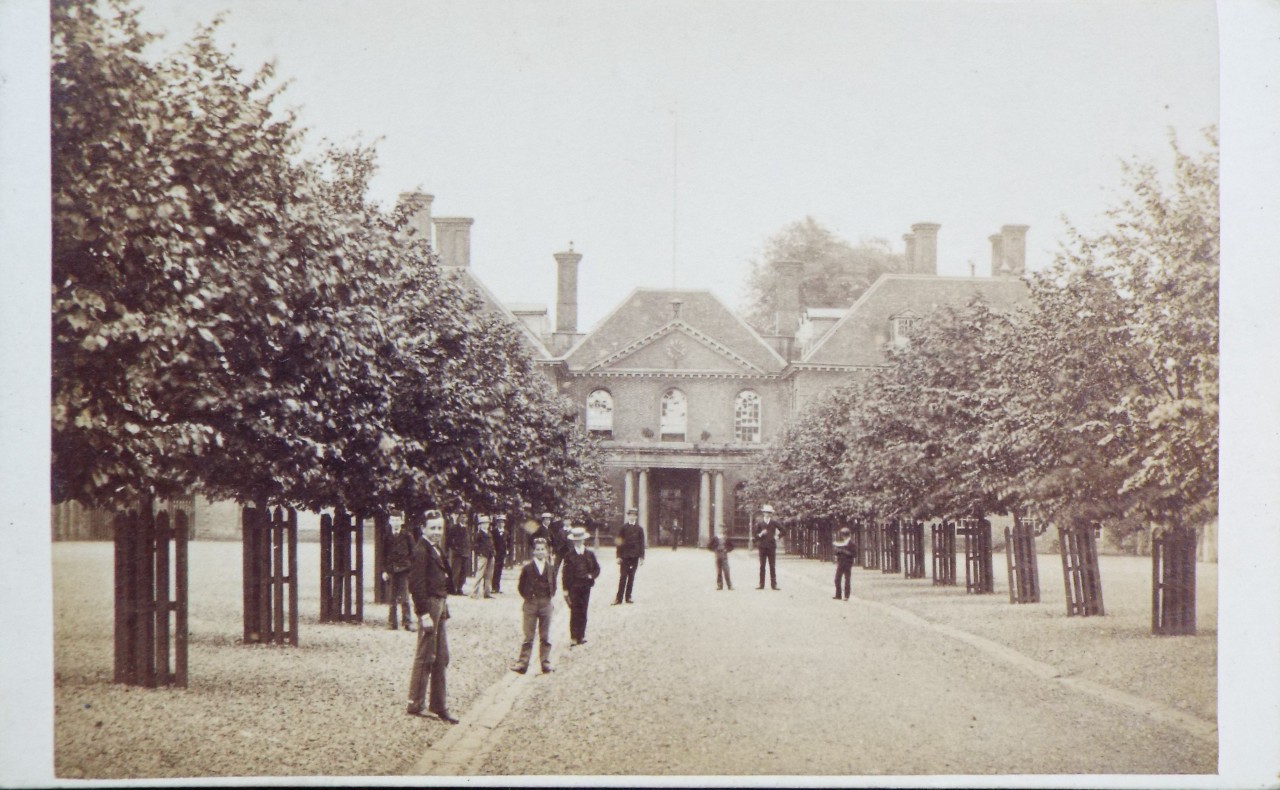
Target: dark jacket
{"x": 630, "y": 541}
{"x": 400, "y": 551}
{"x": 483, "y": 544}
{"x": 767, "y": 535}
{"x": 845, "y": 551}
{"x": 536, "y": 585}
{"x": 579, "y": 571}
{"x": 718, "y": 546}
{"x": 428, "y": 576}
{"x": 499, "y": 543}
{"x": 457, "y": 540}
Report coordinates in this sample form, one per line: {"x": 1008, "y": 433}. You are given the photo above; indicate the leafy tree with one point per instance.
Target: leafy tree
{"x": 834, "y": 274}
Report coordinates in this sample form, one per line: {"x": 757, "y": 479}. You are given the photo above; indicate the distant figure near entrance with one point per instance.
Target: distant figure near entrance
{"x": 675, "y": 534}
{"x": 767, "y": 543}
{"x": 630, "y": 553}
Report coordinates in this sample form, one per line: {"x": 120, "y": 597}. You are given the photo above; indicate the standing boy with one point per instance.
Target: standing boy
{"x": 399, "y": 554}
{"x": 767, "y": 544}
{"x": 484, "y": 556}
{"x": 721, "y": 545}
{"x": 537, "y": 585}
{"x": 499, "y": 550}
{"x": 630, "y": 555}
{"x": 844, "y": 561}
{"x": 429, "y": 586}
{"x": 580, "y": 569}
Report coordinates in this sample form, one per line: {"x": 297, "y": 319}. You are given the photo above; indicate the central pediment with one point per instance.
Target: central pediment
{"x": 676, "y": 347}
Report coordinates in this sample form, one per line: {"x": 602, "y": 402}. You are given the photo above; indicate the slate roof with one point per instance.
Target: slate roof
{"x": 491, "y": 302}
{"x": 646, "y": 315}
{"x": 858, "y": 338}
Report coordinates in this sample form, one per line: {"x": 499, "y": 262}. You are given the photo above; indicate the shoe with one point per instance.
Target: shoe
{"x": 409, "y": 627}
{"x": 391, "y": 627}
{"x": 574, "y": 642}
{"x": 488, "y": 596}
{"x": 628, "y": 601}
{"x": 835, "y": 598}
{"x": 582, "y": 641}
{"x": 521, "y": 668}
{"x": 444, "y": 716}
{"x": 846, "y": 597}
{"x": 547, "y": 669}
{"x": 414, "y": 710}
{"x": 761, "y": 587}
{"x": 776, "y": 587}
{"x": 615, "y": 603}
{"x": 719, "y": 587}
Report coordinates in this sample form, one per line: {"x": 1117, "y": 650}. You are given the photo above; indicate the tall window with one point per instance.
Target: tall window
{"x": 902, "y": 325}
{"x": 675, "y": 416}
{"x": 600, "y": 414}
{"x": 746, "y": 417}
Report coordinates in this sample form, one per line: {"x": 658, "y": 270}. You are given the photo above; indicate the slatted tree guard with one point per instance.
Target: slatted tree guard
{"x": 1080, "y": 575}
{"x": 912, "y": 549}
{"x": 890, "y": 547}
{"x": 1020, "y": 559}
{"x": 1173, "y": 588}
{"x": 144, "y": 638}
{"x": 856, "y": 540}
{"x": 341, "y": 568}
{"x": 979, "y": 578}
{"x": 871, "y": 545}
{"x": 270, "y": 557}
{"x": 944, "y": 553}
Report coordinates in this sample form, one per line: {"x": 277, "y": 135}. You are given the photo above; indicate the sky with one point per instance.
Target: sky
{"x": 668, "y": 140}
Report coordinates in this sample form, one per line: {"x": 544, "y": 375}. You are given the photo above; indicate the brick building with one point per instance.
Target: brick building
{"x": 686, "y": 396}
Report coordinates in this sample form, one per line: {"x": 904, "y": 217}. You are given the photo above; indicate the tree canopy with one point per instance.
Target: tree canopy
{"x": 233, "y": 317}
{"x": 1095, "y": 402}
{"x": 834, "y": 272}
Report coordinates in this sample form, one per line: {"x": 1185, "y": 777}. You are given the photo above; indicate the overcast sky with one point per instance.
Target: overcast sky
{"x": 653, "y": 132}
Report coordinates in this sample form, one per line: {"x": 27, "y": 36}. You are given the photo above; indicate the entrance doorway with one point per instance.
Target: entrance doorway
{"x": 675, "y": 507}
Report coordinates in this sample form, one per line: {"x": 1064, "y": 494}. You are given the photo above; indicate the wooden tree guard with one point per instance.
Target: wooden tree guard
{"x": 814, "y": 542}
{"x": 855, "y": 540}
{"x": 979, "y": 577}
{"x": 890, "y": 547}
{"x": 1080, "y": 573}
{"x": 270, "y": 575}
{"x": 142, "y": 604}
{"x": 944, "y": 553}
{"x": 341, "y": 568}
{"x": 1020, "y": 559}
{"x": 871, "y": 545}
{"x": 1173, "y": 577}
{"x": 912, "y": 549}
{"x": 382, "y": 529}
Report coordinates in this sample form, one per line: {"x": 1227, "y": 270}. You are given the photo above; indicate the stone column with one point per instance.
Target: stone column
{"x": 643, "y": 504}
{"x": 628, "y": 490}
{"x": 719, "y": 496}
{"x": 704, "y": 504}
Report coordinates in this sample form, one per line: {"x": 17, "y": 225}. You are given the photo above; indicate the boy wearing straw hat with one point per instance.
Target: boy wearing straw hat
{"x": 579, "y": 571}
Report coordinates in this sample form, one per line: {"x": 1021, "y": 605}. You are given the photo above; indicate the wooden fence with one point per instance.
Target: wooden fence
{"x": 1173, "y": 588}
{"x": 813, "y": 541}
{"x": 341, "y": 568}
{"x": 944, "y": 553}
{"x": 890, "y": 546}
{"x": 979, "y": 577}
{"x": 1020, "y": 560}
{"x": 270, "y": 575}
{"x": 870, "y": 541}
{"x": 912, "y": 549}
{"x": 145, "y": 635}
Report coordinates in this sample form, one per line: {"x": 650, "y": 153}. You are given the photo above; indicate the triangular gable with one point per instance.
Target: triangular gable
{"x": 858, "y": 339}
{"x": 676, "y": 346}
{"x": 649, "y": 311}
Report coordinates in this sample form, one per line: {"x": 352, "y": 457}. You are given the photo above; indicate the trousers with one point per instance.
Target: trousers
{"x": 844, "y": 569}
{"x": 722, "y": 572}
{"x": 482, "y": 576}
{"x": 626, "y": 577}
{"x": 537, "y": 621}
{"x": 431, "y": 659}
{"x": 579, "y": 599}
{"x": 399, "y": 595}
{"x": 769, "y": 553}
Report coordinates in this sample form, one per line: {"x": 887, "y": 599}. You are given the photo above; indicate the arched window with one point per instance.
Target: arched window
{"x": 600, "y": 414}
{"x": 746, "y": 417}
{"x": 675, "y": 416}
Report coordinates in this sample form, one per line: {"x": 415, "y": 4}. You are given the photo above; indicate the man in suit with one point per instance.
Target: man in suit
{"x": 537, "y": 587}
{"x": 483, "y": 545}
{"x": 767, "y": 543}
{"x": 399, "y": 554}
{"x": 499, "y": 536}
{"x": 429, "y": 586}
{"x": 630, "y": 554}
{"x": 457, "y": 541}
{"x": 580, "y": 571}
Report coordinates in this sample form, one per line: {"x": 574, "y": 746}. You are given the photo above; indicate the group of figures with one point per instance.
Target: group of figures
{"x": 426, "y": 565}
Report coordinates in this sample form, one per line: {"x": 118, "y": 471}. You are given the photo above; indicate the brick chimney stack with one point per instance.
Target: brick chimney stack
{"x": 419, "y": 206}
{"x": 567, "y": 291}
{"x": 1013, "y": 244}
{"x": 926, "y": 247}
{"x": 453, "y": 241}
{"x": 997, "y": 255}
{"x": 786, "y": 299}
{"x": 909, "y": 239}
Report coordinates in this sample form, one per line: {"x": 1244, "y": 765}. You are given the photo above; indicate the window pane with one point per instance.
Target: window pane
{"x": 746, "y": 417}
{"x": 600, "y": 412}
{"x": 674, "y": 416}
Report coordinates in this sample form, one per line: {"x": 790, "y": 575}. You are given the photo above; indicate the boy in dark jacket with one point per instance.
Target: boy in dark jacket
{"x": 579, "y": 571}
{"x": 399, "y": 553}
{"x": 483, "y": 545}
{"x": 721, "y": 545}
{"x": 844, "y": 561}
{"x": 537, "y": 587}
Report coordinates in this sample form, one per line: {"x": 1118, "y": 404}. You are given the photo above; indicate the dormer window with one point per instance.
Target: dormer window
{"x": 600, "y": 414}
{"x": 901, "y": 326}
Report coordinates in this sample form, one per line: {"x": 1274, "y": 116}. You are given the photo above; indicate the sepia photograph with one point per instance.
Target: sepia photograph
{"x": 655, "y": 393}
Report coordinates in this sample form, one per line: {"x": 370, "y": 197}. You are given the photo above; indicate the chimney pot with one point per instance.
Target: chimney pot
{"x": 453, "y": 241}
{"x": 567, "y": 291}
{"x": 926, "y": 247}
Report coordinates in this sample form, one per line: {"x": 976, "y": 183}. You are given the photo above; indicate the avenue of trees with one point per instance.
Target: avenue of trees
{"x": 232, "y": 317}
{"x": 834, "y": 272}
{"x": 1096, "y": 402}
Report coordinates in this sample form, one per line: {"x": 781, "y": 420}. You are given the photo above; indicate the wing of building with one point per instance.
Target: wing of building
{"x": 686, "y": 396}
